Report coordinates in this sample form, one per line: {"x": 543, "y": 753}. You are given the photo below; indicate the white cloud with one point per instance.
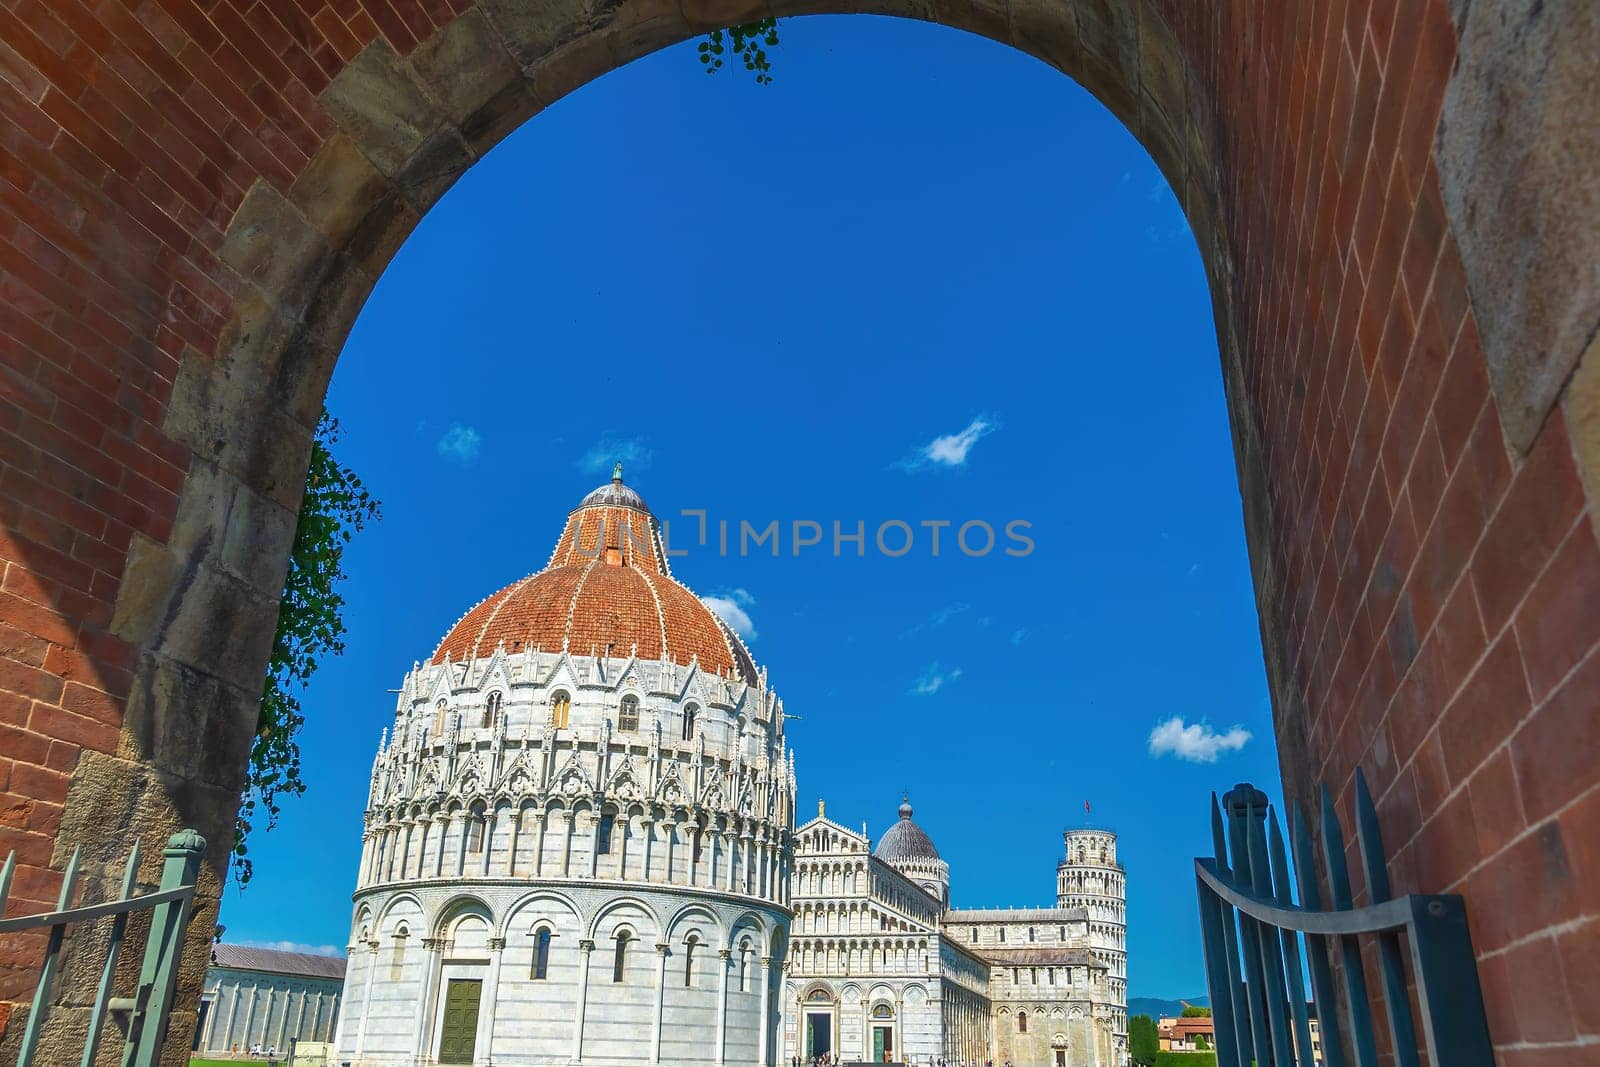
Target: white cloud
{"x": 731, "y": 607}
{"x": 1019, "y": 635}
{"x": 951, "y": 449}
{"x": 932, "y": 680}
{"x": 940, "y": 617}
{"x": 293, "y": 946}
{"x": 460, "y": 443}
{"x": 1196, "y": 742}
{"x": 611, "y": 449}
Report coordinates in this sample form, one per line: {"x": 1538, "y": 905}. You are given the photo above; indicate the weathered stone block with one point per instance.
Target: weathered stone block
{"x": 184, "y": 722}
{"x": 381, "y": 105}
{"x": 464, "y": 64}
{"x": 532, "y": 29}
{"x": 144, "y": 595}
{"x": 1519, "y": 162}
{"x": 272, "y": 246}
{"x": 336, "y": 188}
{"x": 438, "y": 162}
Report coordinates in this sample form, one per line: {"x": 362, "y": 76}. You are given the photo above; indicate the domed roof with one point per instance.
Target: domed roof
{"x": 905, "y": 841}
{"x": 616, "y": 494}
{"x": 606, "y": 590}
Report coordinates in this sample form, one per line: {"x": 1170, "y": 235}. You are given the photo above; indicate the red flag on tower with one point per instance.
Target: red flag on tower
{"x": 1086, "y": 807}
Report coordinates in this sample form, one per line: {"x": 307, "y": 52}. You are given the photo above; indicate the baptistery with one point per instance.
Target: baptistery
{"x": 578, "y": 835}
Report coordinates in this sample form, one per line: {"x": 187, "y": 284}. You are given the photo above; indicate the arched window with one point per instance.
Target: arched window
{"x": 560, "y": 710}
{"x": 1022, "y": 1022}
{"x": 397, "y": 962}
{"x": 628, "y": 718}
{"x": 1030, "y": 934}
{"x": 491, "y": 710}
{"x": 620, "y": 960}
{"x": 603, "y": 840}
{"x": 744, "y": 966}
{"x": 1002, "y": 935}
{"x": 688, "y": 722}
{"x": 475, "y": 833}
{"x": 688, "y": 960}
{"x": 438, "y": 717}
{"x": 541, "y": 954}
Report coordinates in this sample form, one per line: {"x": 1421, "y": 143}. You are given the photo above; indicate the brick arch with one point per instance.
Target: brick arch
{"x": 195, "y": 202}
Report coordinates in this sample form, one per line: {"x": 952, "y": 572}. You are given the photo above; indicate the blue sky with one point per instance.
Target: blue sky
{"x": 921, "y": 277}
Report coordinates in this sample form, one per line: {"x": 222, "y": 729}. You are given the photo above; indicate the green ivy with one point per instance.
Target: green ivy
{"x": 310, "y": 628}
{"x": 748, "y": 41}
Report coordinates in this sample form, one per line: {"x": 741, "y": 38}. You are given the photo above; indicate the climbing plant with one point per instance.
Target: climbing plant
{"x": 748, "y": 42}
{"x": 310, "y": 628}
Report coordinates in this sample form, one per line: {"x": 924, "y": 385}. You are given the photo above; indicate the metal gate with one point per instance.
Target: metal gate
{"x": 147, "y": 1009}
{"x": 1256, "y": 972}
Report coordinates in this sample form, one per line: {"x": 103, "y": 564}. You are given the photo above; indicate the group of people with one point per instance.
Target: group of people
{"x": 830, "y": 1059}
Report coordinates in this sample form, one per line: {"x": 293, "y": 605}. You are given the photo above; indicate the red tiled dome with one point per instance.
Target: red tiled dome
{"x": 593, "y": 598}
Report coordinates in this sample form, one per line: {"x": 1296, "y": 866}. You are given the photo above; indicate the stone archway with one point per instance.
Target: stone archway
{"x": 197, "y": 200}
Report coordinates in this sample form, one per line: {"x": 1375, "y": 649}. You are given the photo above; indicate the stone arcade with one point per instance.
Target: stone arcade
{"x": 882, "y": 968}
{"x": 577, "y": 841}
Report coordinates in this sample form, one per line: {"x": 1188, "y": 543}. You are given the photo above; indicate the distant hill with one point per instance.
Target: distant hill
{"x": 1155, "y": 1007}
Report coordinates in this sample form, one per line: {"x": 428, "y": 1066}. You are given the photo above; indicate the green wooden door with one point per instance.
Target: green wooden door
{"x": 460, "y": 1036}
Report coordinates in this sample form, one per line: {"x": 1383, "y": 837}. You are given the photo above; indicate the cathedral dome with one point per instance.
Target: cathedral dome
{"x": 606, "y": 591}
{"x": 905, "y": 841}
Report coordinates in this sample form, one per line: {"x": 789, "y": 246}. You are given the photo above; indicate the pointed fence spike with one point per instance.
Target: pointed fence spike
{"x": 1219, "y": 841}
{"x": 1293, "y": 961}
{"x": 1369, "y": 840}
{"x": 1322, "y": 987}
{"x": 69, "y": 880}
{"x": 1391, "y": 962}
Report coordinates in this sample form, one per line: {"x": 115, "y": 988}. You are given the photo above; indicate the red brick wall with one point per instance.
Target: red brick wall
{"x": 1428, "y": 593}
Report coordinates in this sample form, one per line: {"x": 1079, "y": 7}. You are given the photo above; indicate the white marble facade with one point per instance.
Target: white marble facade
{"x": 883, "y": 969}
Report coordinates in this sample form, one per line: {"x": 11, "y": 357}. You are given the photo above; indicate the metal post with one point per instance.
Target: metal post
{"x": 159, "y": 972}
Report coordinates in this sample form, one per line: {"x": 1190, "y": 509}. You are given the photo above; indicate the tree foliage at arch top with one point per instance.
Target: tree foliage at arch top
{"x": 747, "y": 42}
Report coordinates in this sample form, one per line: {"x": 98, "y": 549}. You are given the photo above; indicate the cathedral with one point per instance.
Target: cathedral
{"x": 577, "y": 841}
{"x": 579, "y": 849}
{"x": 883, "y": 969}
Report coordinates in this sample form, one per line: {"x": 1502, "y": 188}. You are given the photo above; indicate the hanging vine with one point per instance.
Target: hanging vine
{"x": 747, "y": 41}
{"x": 310, "y": 628}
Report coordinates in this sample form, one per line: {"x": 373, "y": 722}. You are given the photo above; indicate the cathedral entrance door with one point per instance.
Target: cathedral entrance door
{"x": 819, "y": 1034}
{"x": 1061, "y": 1057}
{"x": 882, "y": 1043}
{"x": 460, "y": 1037}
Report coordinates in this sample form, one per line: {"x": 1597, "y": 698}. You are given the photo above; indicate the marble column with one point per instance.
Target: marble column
{"x": 432, "y": 968}
{"x": 490, "y": 819}
{"x": 484, "y": 1042}
{"x": 443, "y": 822}
{"x": 366, "y": 997}
{"x": 538, "y": 843}
{"x": 619, "y": 840}
{"x": 585, "y": 950}
{"x": 763, "y": 1043}
{"x": 661, "y": 993}
{"x": 249, "y": 1016}
{"x": 723, "y": 956}
{"x": 648, "y": 827}
{"x": 511, "y": 845}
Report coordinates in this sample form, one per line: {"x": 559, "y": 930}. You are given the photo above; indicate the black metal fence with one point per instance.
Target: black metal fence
{"x": 1257, "y": 972}
{"x": 147, "y": 1010}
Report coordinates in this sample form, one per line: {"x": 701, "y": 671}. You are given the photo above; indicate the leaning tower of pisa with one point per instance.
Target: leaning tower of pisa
{"x": 1090, "y": 877}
